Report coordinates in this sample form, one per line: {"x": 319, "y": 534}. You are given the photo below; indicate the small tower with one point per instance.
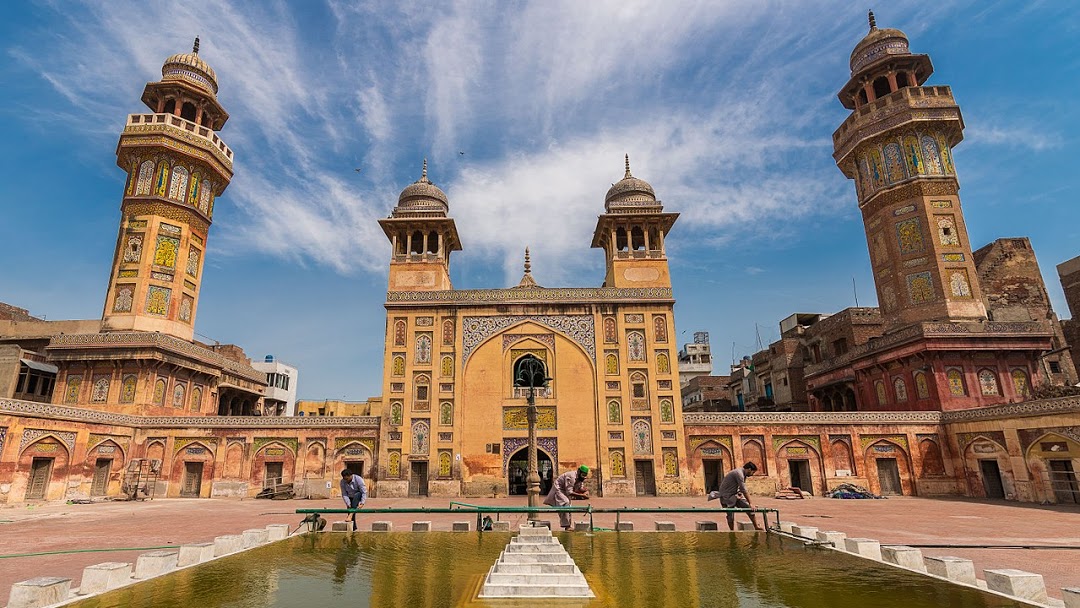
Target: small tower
{"x": 631, "y": 232}
{"x": 176, "y": 166}
{"x": 422, "y": 237}
{"x": 896, "y": 145}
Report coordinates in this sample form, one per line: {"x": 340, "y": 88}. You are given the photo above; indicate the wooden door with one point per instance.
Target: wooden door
{"x": 799, "y": 470}
{"x": 272, "y": 476}
{"x": 100, "y": 485}
{"x": 418, "y": 482}
{"x": 991, "y": 475}
{"x": 1063, "y": 481}
{"x": 40, "y": 475}
{"x": 713, "y": 474}
{"x": 644, "y": 482}
{"x": 192, "y": 485}
{"x": 356, "y": 466}
{"x": 889, "y": 477}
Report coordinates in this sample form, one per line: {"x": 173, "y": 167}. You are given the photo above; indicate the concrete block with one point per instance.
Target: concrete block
{"x": 746, "y": 526}
{"x": 905, "y": 557}
{"x": 500, "y": 526}
{"x": 705, "y": 526}
{"x": 256, "y": 537}
{"x": 277, "y": 532}
{"x": 1071, "y": 596}
{"x": 381, "y": 526}
{"x": 787, "y": 526}
{"x": 341, "y": 526}
{"x": 665, "y": 526}
{"x": 805, "y": 531}
{"x": 865, "y": 547}
{"x": 40, "y": 591}
{"x": 582, "y": 526}
{"x": 955, "y": 569}
{"x": 421, "y": 526}
{"x": 460, "y": 526}
{"x": 99, "y": 578}
{"x": 228, "y": 543}
{"x": 834, "y": 537}
{"x": 155, "y": 563}
{"x": 624, "y": 526}
{"x": 541, "y": 523}
{"x": 1017, "y": 583}
{"x": 195, "y": 553}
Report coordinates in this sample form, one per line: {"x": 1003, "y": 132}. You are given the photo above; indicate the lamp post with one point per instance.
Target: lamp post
{"x": 531, "y": 374}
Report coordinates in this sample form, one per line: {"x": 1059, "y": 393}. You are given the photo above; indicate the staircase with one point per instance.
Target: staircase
{"x": 535, "y": 565}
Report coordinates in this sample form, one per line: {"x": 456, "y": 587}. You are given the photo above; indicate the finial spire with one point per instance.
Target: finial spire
{"x": 527, "y": 279}
{"x": 528, "y": 264}
{"x": 627, "y": 167}
{"x": 195, "y": 47}
{"x": 873, "y": 22}
{"x": 423, "y": 174}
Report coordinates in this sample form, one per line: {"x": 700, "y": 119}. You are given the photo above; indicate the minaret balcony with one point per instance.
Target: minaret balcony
{"x": 907, "y": 105}
{"x": 639, "y": 254}
{"x": 181, "y": 129}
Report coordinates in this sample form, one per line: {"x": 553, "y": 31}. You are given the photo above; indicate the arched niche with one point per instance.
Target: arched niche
{"x": 888, "y": 469}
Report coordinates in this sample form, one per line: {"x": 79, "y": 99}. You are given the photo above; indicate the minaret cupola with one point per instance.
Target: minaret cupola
{"x": 422, "y": 236}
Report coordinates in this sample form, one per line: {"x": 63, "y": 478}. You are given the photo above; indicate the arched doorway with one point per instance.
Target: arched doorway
{"x": 517, "y": 472}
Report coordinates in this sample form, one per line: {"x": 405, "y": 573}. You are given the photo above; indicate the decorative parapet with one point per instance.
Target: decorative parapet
{"x": 182, "y": 129}
{"x": 1042, "y": 407}
{"x": 934, "y": 103}
{"x": 747, "y": 418}
{"x": 157, "y": 340}
{"x": 49, "y": 411}
{"x": 527, "y": 295}
{"x": 930, "y": 330}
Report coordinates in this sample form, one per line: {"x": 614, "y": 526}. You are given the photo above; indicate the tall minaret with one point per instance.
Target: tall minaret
{"x": 631, "y": 232}
{"x": 422, "y": 237}
{"x": 176, "y": 165}
{"x": 896, "y": 145}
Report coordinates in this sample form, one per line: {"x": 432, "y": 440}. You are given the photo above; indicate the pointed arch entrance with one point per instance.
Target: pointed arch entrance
{"x": 517, "y": 472}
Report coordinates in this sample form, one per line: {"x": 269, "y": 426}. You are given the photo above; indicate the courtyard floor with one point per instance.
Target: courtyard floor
{"x": 898, "y": 520}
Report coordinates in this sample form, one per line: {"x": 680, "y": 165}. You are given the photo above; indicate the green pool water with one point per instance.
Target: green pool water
{"x": 439, "y": 569}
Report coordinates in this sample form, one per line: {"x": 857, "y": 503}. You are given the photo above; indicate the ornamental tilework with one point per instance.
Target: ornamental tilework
{"x": 641, "y": 432}
{"x": 904, "y": 210}
{"x": 448, "y": 333}
{"x": 922, "y": 391}
{"x": 941, "y": 204}
{"x": 610, "y": 335}
{"x": 193, "y": 191}
{"x": 664, "y": 385}
{"x": 663, "y": 363}
{"x": 186, "y": 304}
{"x": 99, "y": 393}
{"x": 811, "y": 440}
{"x": 398, "y": 366}
{"x": 900, "y": 388}
{"x": 671, "y": 462}
{"x": 178, "y": 395}
{"x": 71, "y": 394}
{"x": 165, "y": 251}
{"x": 697, "y": 440}
{"x": 920, "y": 288}
{"x": 515, "y": 418}
{"x": 193, "y": 262}
{"x": 425, "y": 321}
{"x": 538, "y": 294}
{"x": 122, "y": 301}
{"x": 421, "y": 436}
{"x": 660, "y": 328}
{"x": 988, "y": 382}
{"x": 157, "y": 300}
{"x": 635, "y": 342}
{"x": 178, "y": 184}
{"x": 931, "y": 155}
{"x": 446, "y": 413}
{"x": 423, "y": 348}
{"x": 966, "y": 439}
{"x": 128, "y": 274}
{"x": 1020, "y": 382}
{"x": 953, "y": 257}
{"x": 146, "y": 175}
{"x": 340, "y": 443}
{"x": 579, "y": 328}
{"x": 31, "y": 435}
{"x": 127, "y": 389}
{"x": 866, "y": 440}
{"x": 611, "y": 364}
{"x": 1027, "y": 436}
{"x": 545, "y": 339}
{"x": 444, "y": 463}
{"x": 614, "y": 409}
{"x": 206, "y": 191}
{"x": 959, "y": 286}
{"x": 667, "y": 411}
{"x": 618, "y": 463}
{"x": 393, "y": 464}
{"x": 133, "y": 249}
{"x": 634, "y": 318}
{"x": 956, "y": 382}
{"x": 447, "y": 367}
{"x": 169, "y": 228}
{"x": 511, "y": 445}
{"x": 946, "y": 230}
{"x": 894, "y": 163}
{"x": 399, "y": 332}
{"x": 909, "y": 236}
{"x": 159, "y": 392}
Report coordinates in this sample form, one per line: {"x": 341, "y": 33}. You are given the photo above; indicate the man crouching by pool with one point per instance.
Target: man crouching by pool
{"x": 353, "y": 492}
{"x": 570, "y": 484}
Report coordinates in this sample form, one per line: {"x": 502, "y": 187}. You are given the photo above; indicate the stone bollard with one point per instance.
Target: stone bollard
{"x": 541, "y": 523}
{"x": 1017, "y": 583}
{"x": 955, "y": 569}
{"x": 421, "y": 526}
{"x": 624, "y": 526}
{"x": 905, "y": 557}
{"x": 746, "y": 526}
{"x": 863, "y": 546}
{"x": 99, "y": 578}
{"x": 40, "y": 591}
{"x": 341, "y": 526}
{"x": 256, "y": 537}
{"x": 500, "y": 526}
{"x": 228, "y": 543}
{"x": 834, "y": 537}
{"x": 459, "y": 526}
{"x": 787, "y": 526}
{"x": 705, "y": 526}
{"x": 277, "y": 532}
{"x": 381, "y": 526}
{"x": 665, "y": 526}
{"x": 155, "y": 563}
{"x": 195, "y": 553}
{"x": 1071, "y": 596}
{"x": 582, "y": 526}
{"x": 805, "y": 531}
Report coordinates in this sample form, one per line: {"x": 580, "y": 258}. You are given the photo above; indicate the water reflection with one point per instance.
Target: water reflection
{"x": 694, "y": 570}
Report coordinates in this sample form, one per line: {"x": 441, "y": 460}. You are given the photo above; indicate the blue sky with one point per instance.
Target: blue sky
{"x": 726, "y": 107}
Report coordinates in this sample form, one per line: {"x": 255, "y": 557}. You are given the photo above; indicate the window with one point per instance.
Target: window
{"x": 840, "y": 346}
{"x": 529, "y": 371}
{"x": 1055, "y": 367}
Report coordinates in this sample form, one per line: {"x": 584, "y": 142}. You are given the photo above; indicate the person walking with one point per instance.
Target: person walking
{"x": 570, "y": 484}
{"x": 733, "y": 493}
{"x": 353, "y": 492}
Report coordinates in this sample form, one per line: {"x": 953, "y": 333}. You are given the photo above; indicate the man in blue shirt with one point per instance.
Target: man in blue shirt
{"x": 353, "y": 492}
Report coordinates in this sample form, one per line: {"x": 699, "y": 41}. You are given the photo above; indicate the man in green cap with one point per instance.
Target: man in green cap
{"x": 570, "y": 484}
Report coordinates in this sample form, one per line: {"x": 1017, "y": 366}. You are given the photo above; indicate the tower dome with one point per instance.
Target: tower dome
{"x": 877, "y": 44}
{"x": 629, "y": 192}
{"x": 422, "y": 196}
{"x": 190, "y": 68}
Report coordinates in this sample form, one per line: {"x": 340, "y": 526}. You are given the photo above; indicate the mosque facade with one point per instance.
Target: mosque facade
{"x": 131, "y": 405}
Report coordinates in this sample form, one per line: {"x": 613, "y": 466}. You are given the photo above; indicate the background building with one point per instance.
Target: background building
{"x": 281, "y": 381}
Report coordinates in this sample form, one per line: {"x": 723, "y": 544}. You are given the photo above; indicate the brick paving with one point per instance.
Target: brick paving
{"x": 901, "y": 520}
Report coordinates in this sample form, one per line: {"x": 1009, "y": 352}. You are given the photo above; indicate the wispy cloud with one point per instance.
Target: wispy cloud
{"x": 1014, "y": 136}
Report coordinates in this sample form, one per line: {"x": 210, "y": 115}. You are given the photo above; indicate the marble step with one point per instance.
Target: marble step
{"x": 525, "y": 590}
{"x": 531, "y": 531}
{"x": 536, "y": 568}
{"x": 549, "y": 580}
{"x": 534, "y": 540}
{"x": 534, "y": 548}
{"x": 561, "y": 557}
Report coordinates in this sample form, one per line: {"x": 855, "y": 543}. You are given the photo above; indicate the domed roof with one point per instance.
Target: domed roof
{"x": 422, "y": 195}
{"x": 629, "y": 190}
{"x": 189, "y": 67}
{"x": 876, "y": 44}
